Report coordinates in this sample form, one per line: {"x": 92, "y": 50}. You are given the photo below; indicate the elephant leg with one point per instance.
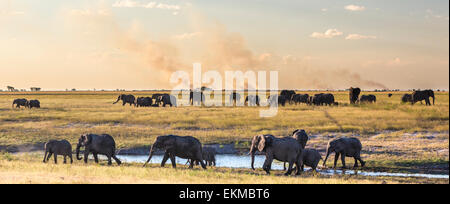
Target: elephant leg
{"x": 165, "y": 158}
{"x": 284, "y": 166}
{"x": 191, "y": 164}
{"x": 117, "y": 160}
{"x": 65, "y": 159}
{"x": 363, "y": 163}
{"x": 95, "y": 157}
{"x": 71, "y": 159}
{"x": 336, "y": 158}
{"x": 109, "y": 160}
{"x": 45, "y": 157}
{"x": 86, "y": 155}
{"x": 289, "y": 171}
{"x": 56, "y": 158}
{"x": 49, "y": 155}
{"x": 343, "y": 160}
{"x": 356, "y": 163}
{"x": 427, "y": 100}
{"x": 172, "y": 159}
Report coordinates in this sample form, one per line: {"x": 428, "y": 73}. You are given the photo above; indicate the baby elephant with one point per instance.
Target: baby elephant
{"x": 58, "y": 147}
{"x": 311, "y": 158}
{"x": 209, "y": 156}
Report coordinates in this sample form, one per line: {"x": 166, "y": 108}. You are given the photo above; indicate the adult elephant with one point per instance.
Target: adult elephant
{"x": 196, "y": 98}
{"x": 130, "y": 99}
{"x": 354, "y": 94}
{"x": 322, "y": 99}
{"x": 168, "y": 100}
{"x": 285, "y": 149}
{"x": 274, "y": 99}
{"x": 34, "y": 104}
{"x": 144, "y": 102}
{"x": 97, "y": 144}
{"x": 287, "y": 94}
{"x": 20, "y": 102}
{"x": 235, "y": 98}
{"x": 407, "y": 98}
{"x": 300, "y": 98}
{"x": 345, "y": 147}
{"x": 301, "y": 137}
{"x": 58, "y": 147}
{"x": 157, "y": 97}
{"x": 252, "y": 100}
{"x": 368, "y": 99}
{"x": 423, "y": 95}
{"x": 185, "y": 147}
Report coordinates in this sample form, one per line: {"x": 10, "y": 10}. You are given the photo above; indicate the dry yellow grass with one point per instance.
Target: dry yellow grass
{"x": 28, "y": 169}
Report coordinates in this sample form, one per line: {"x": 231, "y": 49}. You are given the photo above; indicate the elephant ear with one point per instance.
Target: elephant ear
{"x": 88, "y": 139}
{"x": 262, "y": 143}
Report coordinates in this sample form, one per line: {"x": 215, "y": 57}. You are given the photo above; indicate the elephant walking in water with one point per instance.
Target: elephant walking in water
{"x": 130, "y": 99}
{"x": 58, "y": 147}
{"x": 423, "y": 95}
{"x": 345, "y": 147}
{"x": 185, "y": 147}
{"x": 97, "y": 144}
{"x": 20, "y": 102}
{"x": 285, "y": 149}
{"x": 354, "y": 94}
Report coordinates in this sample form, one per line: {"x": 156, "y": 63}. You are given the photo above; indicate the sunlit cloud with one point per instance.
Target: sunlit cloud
{"x": 432, "y": 14}
{"x": 355, "y": 8}
{"x": 149, "y": 5}
{"x": 330, "y": 33}
{"x": 187, "y": 36}
{"x": 11, "y": 13}
{"x": 359, "y": 37}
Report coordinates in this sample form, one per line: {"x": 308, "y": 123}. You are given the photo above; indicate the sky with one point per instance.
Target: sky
{"x": 138, "y": 44}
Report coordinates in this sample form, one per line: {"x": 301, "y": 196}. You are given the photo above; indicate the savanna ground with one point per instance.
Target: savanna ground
{"x": 396, "y": 137}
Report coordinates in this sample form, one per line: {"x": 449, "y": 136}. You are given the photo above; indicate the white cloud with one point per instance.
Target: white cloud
{"x": 150, "y": 5}
{"x": 432, "y": 14}
{"x": 330, "y": 33}
{"x": 187, "y": 36}
{"x": 355, "y": 8}
{"x": 324, "y": 10}
{"x": 359, "y": 37}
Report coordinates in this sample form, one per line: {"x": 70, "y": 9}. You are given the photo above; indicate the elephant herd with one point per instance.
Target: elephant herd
{"x": 419, "y": 96}
{"x": 26, "y": 103}
{"x": 159, "y": 100}
{"x": 291, "y": 149}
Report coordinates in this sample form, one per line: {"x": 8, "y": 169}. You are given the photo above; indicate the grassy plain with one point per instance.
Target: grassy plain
{"x": 396, "y": 137}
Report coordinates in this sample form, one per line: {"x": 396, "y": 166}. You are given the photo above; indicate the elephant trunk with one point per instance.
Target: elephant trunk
{"x": 78, "y": 152}
{"x": 152, "y": 150}
{"x": 118, "y": 99}
{"x": 252, "y": 154}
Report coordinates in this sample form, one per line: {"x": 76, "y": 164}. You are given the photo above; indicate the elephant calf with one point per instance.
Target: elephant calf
{"x": 209, "y": 157}
{"x": 311, "y": 158}
{"x": 58, "y": 147}
{"x": 345, "y": 147}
